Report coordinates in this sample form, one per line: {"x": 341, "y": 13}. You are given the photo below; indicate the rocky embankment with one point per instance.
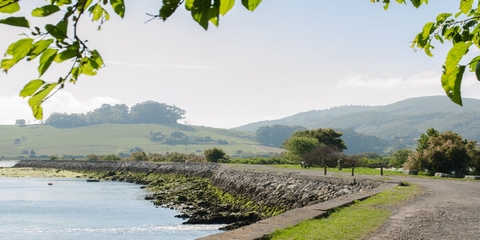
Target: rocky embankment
{"x": 215, "y": 193}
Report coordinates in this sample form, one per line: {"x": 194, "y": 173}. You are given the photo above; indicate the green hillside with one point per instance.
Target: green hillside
{"x": 119, "y": 138}
{"x": 407, "y": 118}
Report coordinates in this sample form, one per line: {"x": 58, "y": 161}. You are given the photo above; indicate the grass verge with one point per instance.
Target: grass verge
{"x": 353, "y": 222}
{"x": 358, "y": 170}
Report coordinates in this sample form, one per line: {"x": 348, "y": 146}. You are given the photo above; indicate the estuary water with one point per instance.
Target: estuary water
{"x": 30, "y": 208}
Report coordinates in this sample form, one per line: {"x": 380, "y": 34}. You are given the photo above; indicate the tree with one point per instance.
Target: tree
{"x": 298, "y": 146}
{"x": 324, "y": 155}
{"x": 154, "y": 112}
{"x": 60, "y": 41}
{"x": 325, "y": 136}
{"x": 20, "y": 122}
{"x": 446, "y": 153}
{"x": 215, "y": 155}
{"x": 461, "y": 29}
{"x": 275, "y": 135}
{"x": 399, "y": 158}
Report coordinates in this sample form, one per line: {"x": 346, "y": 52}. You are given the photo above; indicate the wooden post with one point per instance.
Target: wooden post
{"x": 325, "y": 170}
{"x": 381, "y": 170}
{"x": 353, "y": 171}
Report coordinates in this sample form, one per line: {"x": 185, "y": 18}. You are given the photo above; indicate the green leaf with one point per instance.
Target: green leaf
{"x": 44, "y": 11}
{"x": 477, "y": 70}
{"x": 189, "y": 4}
{"x": 89, "y": 67}
{"x": 36, "y": 100}
{"x": 6, "y": 64}
{"x": 452, "y": 83}
{"x": 168, "y": 8}
{"x": 473, "y": 64}
{"x": 58, "y": 31}
{"x": 38, "y": 48}
{"x": 200, "y": 12}
{"x": 83, "y": 4}
{"x": 466, "y": 6}
{"x": 427, "y": 29}
{"x": 31, "y": 88}
{"x": 443, "y": 16}
{"x": 119, "y": 7}
{"x": 46, "y": 60}
{"x": 16, "y": 21}
{"x": 70, "y": 52}
{"x": 452, "y": 73}
{"x": 226, "y": 5}
{"x": 251, "y": 4}
{"x": 20, "y": 48}
{"x": 97, "y": 12}
{"x": 97, "y": 58}
{"x": 37, "y": 112}
{"x": 9, "y": 7}
{"x": 454, "y": 56}
{"x": 38, "y": 97}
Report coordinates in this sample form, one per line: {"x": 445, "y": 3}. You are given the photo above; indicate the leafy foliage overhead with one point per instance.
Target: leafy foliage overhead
{"x": 59, "y": 41}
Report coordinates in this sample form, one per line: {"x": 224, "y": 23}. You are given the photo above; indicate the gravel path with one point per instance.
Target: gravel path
{"x": 447, "y": 209}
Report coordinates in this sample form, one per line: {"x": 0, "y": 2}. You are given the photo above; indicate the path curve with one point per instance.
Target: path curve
{"x": 447, "y": 209}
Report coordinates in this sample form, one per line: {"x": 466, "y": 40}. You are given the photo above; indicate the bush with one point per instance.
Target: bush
{"x": 215, "y": 155}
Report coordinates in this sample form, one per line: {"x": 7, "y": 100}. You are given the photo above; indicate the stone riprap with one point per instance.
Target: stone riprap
{"x": 287, "y": 190}
{"x": 275, "y": 189}
{"x": 188, "y": 169}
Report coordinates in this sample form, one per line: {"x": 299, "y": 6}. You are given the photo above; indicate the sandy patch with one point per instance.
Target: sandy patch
{"x": 37, "y": 173}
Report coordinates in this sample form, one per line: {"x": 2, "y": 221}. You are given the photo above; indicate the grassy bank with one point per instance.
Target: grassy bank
{"x": 353, "y": 222}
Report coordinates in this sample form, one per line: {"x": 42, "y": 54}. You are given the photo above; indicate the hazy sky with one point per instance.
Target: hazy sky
{"x": 286, "y": 57}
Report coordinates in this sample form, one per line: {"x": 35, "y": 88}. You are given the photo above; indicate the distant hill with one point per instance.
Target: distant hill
{"x": 120, "y": 138}
{"x": 407, "y": 118}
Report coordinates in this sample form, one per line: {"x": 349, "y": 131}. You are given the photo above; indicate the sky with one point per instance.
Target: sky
{"x": 284, "y": 58}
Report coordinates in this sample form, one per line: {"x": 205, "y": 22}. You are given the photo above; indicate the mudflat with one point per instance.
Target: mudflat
{"x": 37, "y": 173}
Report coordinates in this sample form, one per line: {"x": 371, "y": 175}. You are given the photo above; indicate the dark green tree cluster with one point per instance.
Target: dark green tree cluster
{"x": 146, "y": 112}
{"x": 179, "y": 137}
{"x": 304, "y": 145}
{"x": 325, "y": 136}
{"x": 275, "y": 135}
{"x": 445, "y": 152}
{"x": 215, "y": 155}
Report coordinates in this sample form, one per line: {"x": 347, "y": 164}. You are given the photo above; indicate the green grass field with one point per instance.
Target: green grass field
{"x": 116, "y": 138}
{"x": 358, "y": 170}
{"x": 353, "y": 222}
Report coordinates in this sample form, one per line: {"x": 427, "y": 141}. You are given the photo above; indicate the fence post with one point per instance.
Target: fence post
{"x": 381, "y": 170}
{"x": 325, "y": 170}
{"x": 353, "y": 171}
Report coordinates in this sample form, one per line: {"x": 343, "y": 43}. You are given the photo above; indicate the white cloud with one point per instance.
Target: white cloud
{"x": 174, "y": 66}
{"x": 14, "y": 107}
{"x": 423, "y": 79}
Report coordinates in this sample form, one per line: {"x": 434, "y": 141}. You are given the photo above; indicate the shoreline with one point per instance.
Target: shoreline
{"x": 208, "y": 193}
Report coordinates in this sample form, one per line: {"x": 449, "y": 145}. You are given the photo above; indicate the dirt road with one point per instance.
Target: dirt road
{"x": 447, "y": 209}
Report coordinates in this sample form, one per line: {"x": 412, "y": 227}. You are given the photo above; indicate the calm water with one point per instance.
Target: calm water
{"x": 75, "y": 209}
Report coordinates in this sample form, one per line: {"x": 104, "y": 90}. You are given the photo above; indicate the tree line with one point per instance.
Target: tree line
{"x": 277, "y": 134}
{"x": 146, "y": 112}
